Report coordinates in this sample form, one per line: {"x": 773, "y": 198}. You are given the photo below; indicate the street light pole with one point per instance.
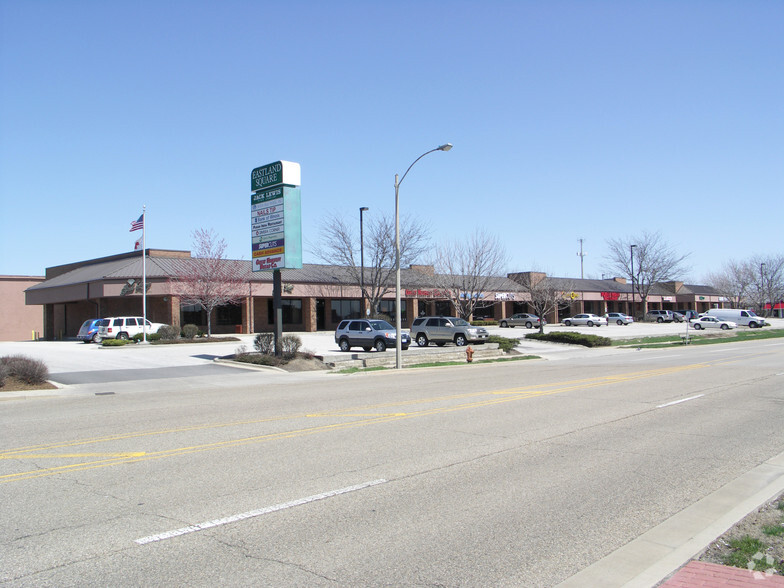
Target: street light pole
{"x": 362, "y": 257}
{"x": 762, "y": 290}
{"x": 631, "y": 251}
{"x": 398, "y": 348}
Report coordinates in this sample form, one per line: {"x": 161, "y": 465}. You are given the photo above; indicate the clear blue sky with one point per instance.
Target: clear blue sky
{"x": 569, "y": 119}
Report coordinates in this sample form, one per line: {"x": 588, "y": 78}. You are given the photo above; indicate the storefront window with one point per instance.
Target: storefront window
{"x": 292, "y": 311}
{"x": 192, "y": 314}
{"x": 344, "y": 309}
{"x": 229, "y": 314}
{"x": 387, "y": 307}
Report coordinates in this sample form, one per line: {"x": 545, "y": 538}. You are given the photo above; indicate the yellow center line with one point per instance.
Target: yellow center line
{"x": 72, "y": 455}
{"x": 364, "y": 415}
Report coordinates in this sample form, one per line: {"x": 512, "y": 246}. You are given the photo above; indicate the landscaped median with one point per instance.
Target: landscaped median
{"x": 654, "y": 342}
{"x": 18, "y": 372}
{"x": 701, "y": 339}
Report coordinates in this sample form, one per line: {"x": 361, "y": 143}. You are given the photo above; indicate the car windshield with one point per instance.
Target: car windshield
{"x": 381, "y": 325}
{"x": 458, "y": 322}
{"x": 751, "y": 313}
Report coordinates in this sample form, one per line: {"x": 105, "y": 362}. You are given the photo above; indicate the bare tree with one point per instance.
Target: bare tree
{"x": 770, "y": 276}
{"x": 339, "y": 244}
{"x": 208, "y": 279}
{"x": 752, "y": 282}
{"x": 735, "y": 280}
{"x": 467, "y": 268}
{"x": 548, "y": 295}
{"x": 654, "y": 261}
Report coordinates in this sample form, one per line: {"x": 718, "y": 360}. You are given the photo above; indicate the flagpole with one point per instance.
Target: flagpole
{"x": 144, "y": 273}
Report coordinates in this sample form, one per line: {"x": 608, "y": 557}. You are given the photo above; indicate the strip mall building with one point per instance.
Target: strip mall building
{"x": 315, "y": 298}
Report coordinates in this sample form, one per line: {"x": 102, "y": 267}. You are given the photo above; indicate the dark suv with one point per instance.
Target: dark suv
{"x": 446, "y": 329}
{"x": 368, "y": 334}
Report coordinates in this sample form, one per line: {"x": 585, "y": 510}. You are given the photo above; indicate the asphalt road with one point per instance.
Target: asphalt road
{"x": 518, "y": 474}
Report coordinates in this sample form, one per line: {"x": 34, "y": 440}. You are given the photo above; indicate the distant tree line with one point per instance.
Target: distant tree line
{"x": 754, "y": 282}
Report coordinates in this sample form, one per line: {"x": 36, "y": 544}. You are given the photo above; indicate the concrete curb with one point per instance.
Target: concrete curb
{"x": 661, "y": 551}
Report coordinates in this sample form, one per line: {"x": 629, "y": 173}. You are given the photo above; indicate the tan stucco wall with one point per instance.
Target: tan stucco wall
{"x": 19, "y": 322}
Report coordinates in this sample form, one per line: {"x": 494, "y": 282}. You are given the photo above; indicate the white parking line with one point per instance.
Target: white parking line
{"x": 254, "y": 513}
{"x": 681, "y": 400}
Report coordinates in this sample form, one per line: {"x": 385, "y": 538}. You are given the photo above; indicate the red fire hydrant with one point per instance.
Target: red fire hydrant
{"x": 469, "y": 354}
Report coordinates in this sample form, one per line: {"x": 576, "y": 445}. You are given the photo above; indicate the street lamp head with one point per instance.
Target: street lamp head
{"x": 632, "y": 246}
{"x": 363, "y": 208}
{"x": 445, "y": 147}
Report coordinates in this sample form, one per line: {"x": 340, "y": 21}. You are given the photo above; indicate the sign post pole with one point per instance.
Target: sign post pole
{"x": 277, "y": 307}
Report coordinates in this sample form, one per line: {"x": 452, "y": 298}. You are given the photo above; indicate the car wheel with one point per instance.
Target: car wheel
{"x": 697, "y": 327}
{"x": 421, "y": 340}
{"x": 380, "y": 345}
{"x": 460, "y": 340}
{"x": 660, "y": 320}
{"x": 568, "y": 323}
{"x": 367, "y": 348}
{"x": 528, "y": 324}
{"x": 503, "y": 324}
{"x": 344, "y": 345}
{"x": 122, "y": 335}
{"x": 619, "y": 322}
{"x": 96, "y": 338}
{"x": 590, "y": 323}
{"x": 404, "y": 347}
{"x": 724, "y": 327}
{"x": 752, "y": 325}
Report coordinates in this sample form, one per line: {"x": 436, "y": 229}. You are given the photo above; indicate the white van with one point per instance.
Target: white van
{"x": 739, "y": 316}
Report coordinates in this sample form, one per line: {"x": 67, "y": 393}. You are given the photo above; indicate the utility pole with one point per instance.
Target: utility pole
{"x": 582, "y": 255}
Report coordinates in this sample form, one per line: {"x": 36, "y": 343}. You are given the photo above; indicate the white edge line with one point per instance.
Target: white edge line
{"x": 254, "y": 513}
{"x": 681, "y": 400}
{"x": 654, "y": 357}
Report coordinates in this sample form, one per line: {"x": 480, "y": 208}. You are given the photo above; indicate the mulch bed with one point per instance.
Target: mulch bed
{"x": 14, "y": 384}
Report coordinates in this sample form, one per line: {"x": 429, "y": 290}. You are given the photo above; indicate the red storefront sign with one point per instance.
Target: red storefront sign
{"x": 611, "y": 295}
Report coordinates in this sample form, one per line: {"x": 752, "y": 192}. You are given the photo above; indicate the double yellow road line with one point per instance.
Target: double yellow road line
{"x": 342, "y": 419}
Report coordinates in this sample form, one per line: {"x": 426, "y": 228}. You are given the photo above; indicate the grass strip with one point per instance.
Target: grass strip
{"x": 701, "y": 339}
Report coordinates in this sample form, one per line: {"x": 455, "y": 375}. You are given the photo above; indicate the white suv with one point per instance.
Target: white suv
{"x": 124, "y": 327}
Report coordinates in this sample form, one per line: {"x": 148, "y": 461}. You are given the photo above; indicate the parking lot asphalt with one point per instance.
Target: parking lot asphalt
{"x": 73, "y": 362}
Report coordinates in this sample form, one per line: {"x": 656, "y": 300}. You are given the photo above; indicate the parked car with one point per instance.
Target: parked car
{"x": 660, "y": 316}
{"x": 618, "y": 318}
{"x": 688, "y": 314}
{"x": 369, "y": 334}
{"x": 125, "y": 327}
{"x": 88, "y": 332}
{"x": 739, "y": 316}
{"x": 522, "y": 319}
{"x": 677, "y": 317}
{"x": 592, "y": 320}
{"x": 445, "y": 329}
{"x": 711, "y": 322}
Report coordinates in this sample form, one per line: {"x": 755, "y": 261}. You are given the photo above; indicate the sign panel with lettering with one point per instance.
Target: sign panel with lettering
{"x": 275, "y": 217}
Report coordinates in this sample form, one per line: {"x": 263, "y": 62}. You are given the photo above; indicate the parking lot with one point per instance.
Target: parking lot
{"x": 79, "y": 359}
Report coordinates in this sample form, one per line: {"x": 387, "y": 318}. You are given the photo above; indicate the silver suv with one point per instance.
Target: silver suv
{"x": 445, "y": 329}
{"x": 661, "y": 316}
{"x": 368, "y": 334}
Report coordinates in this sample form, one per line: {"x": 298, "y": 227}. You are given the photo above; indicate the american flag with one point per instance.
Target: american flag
{"x": 138, "y": 224}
